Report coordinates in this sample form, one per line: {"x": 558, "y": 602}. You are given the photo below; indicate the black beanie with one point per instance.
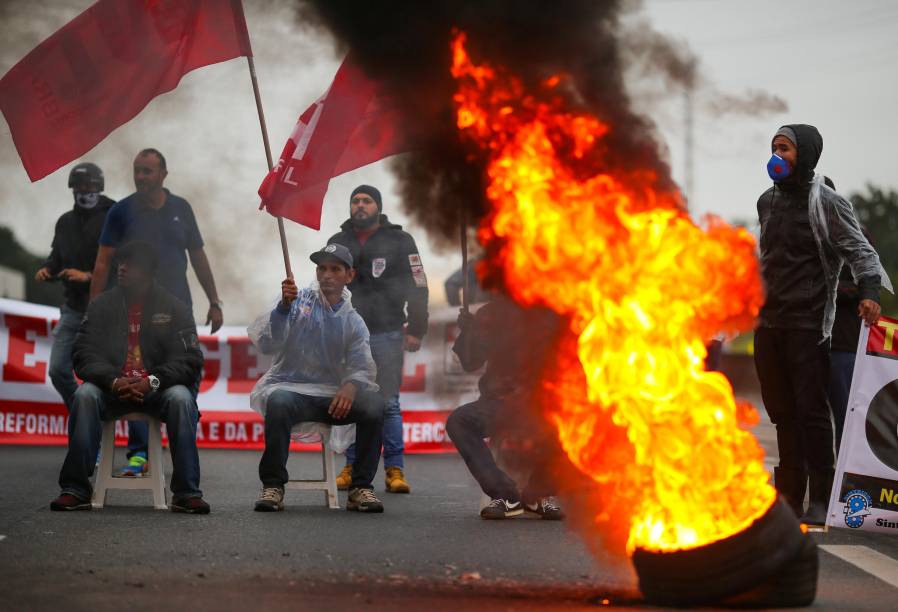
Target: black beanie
{"x": 371, "y": 191}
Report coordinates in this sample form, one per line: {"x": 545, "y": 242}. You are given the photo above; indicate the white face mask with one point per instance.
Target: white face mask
{"x": 87, "y": 200}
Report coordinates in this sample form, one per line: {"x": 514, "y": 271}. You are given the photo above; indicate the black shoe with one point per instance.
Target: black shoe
{"x": 190, "y": 505}
{"x": 363, "y": 500}
{"x": 820, "y": 485}
{"x": 67, "y": 501}
{"x": 792, "y": 484}
{"x": 547, "y": 508}
{"x": 271, "y": 500}
{"x": 501, "y": 509}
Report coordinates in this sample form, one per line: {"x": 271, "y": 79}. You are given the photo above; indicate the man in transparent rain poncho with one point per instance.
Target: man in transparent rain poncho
{"x": 323, "y": 373}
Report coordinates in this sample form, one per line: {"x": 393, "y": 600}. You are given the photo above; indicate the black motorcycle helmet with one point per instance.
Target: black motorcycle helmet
{"x": 89, "y": 172}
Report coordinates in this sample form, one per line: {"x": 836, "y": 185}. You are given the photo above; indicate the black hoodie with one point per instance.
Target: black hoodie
{"x": 75, "y": 243}
{"x": 790, "y": 260}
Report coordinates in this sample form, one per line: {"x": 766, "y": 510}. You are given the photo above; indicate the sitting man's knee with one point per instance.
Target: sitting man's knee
{"x": 370, "y": 406}
{"x": 87, "y": 392}
{"x": 178, "y": 394}
{"x": 278, "y": 404}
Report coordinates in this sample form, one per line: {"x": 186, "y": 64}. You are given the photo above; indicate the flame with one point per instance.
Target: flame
{"x": 643, "y": 288}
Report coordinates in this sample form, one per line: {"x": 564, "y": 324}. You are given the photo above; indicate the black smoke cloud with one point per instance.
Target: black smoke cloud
{"x": 406, "y": 46}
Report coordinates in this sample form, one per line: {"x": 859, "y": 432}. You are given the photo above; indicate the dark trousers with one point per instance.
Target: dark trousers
{"x": 468, "y": 425}
{"x": 284, "y": 409}
{"x": 175, "y": 406}
{"x": 793, "y": 368}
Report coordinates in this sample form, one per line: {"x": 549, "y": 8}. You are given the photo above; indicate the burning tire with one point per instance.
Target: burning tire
{"x": 771, "y": 563}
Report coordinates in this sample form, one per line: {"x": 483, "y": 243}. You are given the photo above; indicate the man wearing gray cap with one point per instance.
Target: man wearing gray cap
{"x": 322, "y": 372}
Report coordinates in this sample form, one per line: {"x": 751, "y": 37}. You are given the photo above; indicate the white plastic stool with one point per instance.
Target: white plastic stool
{"x": 328, "y": 481}
{"x": 154, "y": 479}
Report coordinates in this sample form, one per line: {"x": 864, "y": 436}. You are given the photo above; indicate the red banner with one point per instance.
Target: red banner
{"x": 31, "y": 412}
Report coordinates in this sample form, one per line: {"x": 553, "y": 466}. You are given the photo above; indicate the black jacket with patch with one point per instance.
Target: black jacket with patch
{"x": 389, "y": 279}
{"x": 168, "y": 342}
{"x": 75, "y": 244}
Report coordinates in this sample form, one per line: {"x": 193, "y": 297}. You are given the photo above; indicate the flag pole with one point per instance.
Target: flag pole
{"x": 252, "y": 75}
{"x": 463, "y": 231}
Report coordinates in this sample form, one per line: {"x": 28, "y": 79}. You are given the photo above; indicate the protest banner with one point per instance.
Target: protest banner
{"x": 865, "y": 488}
{"x": 31, "y": 411}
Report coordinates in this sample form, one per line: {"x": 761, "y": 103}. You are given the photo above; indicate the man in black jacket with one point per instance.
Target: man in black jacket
{"x": 801, "y": 254}
{"x": 137, "y": 351}
{"x": 71, "y": 260}
{"x": 389, "y": 282}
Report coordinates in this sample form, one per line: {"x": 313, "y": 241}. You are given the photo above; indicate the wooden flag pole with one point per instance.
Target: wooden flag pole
{"x": 252, "y": 75}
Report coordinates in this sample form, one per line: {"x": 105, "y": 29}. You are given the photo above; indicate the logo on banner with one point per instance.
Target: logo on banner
{"x": 378, "y": 266}
{"x": 857, "y": 507}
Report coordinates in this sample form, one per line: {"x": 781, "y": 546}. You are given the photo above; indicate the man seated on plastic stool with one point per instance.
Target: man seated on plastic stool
{"x": 513, "y": 342}
{"x": 322, "y": 372}
{"x": 136, "y": 351}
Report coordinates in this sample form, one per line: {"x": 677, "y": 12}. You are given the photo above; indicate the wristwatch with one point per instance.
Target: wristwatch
{"x": 154, "y": 382}
{"x": 218, "y": 304}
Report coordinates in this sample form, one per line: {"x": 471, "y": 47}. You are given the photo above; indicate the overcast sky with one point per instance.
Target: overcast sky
{"x": 834, "y": 63}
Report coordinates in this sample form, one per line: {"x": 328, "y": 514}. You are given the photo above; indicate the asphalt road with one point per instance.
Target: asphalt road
{"x": 428, "y": 550}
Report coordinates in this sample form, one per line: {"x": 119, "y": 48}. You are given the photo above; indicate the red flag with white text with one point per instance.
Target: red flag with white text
{"x": 353, "y": 124}
{"x": 103, "y": 67}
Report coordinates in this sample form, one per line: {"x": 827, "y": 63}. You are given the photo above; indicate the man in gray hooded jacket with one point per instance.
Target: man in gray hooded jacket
{"x": 807, "y": 232}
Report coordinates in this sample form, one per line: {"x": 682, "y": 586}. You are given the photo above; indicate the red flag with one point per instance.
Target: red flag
{"x": 104, "y": 66}
{"x": 351, "y": 125}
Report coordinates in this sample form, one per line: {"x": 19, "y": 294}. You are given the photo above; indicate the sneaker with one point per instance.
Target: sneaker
{"x": 547, "y": 508}
{"x": 344, "y": 478}
{"x": 190, "y": 505}
{"x": 137, "y": 467}
{"x": 363, "y": 500}
{"x": 396, "y": 482}
{"x": 501, "y": 509}
{"x": 271, "y": 500}
{"x": 67, "y": 501}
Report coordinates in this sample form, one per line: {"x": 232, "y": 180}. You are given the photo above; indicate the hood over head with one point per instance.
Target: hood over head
{"x": 809, "y": 143}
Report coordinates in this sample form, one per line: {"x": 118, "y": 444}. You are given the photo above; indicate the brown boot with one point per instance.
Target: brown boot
{"x": 344, "y": 478}
{"x": 396, "y": 482}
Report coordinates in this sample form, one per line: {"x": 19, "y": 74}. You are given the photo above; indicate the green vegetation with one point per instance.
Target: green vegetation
{"x": 16, "y": 257}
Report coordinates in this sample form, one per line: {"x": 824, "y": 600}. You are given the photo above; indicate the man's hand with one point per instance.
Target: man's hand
{"x": 75, "y": 276}
{"x": 289, "y": 292}
{"x": 465, "y": 319}
{"x": 412, "y": 344}
{"x": 43, "y": 275}
{"x": 342, "y": 401}
{"x": 869, "y": 311}
{"x": 131, "y": 389}
{"x": 215, "y": 317}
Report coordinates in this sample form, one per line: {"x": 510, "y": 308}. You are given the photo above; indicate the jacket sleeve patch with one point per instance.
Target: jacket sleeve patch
{"x": 419, "y": 276}
{"x": 414, "y": 259}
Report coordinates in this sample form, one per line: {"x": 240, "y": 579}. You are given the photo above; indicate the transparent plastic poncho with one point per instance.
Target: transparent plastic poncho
{"x": 316, "y": 350}
{"x": 840, "y": 241}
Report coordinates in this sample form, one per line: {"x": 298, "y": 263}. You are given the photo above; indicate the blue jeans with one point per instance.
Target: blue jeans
{"x": 139, "y": 433}
{"x": 175, "y": 406}
{"x": 841, "y": 369}
{"x": 284, "y": 409}
{"x": 387, "y": 351}
{"x": 61, "y": 374}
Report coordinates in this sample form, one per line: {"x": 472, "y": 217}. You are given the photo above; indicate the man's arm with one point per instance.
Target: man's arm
{"x": 850, "y": 243}
{"x": 416, "y": 296}
{"x": 101, "y": 270}
{"x": 469, "y": 344}
{"x": 203, "y": 270}
{"x": 184, "y": 359}
{"x": 89, "y": 361}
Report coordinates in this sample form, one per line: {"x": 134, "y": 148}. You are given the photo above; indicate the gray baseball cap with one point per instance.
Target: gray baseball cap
{"x": 334, "y": 251}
